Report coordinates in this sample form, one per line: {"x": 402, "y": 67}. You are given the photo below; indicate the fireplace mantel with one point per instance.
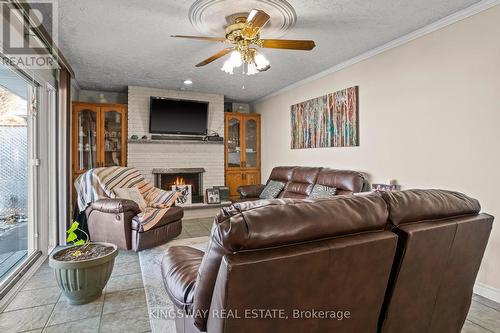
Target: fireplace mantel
{"x": 177, "y": 170}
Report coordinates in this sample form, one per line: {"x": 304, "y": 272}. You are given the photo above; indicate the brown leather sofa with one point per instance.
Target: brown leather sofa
{"x": 442, "y": 239}
{"x": 299, "y": 182}
{"x": 392, "y": 262}
{"x": 112, "y": 221}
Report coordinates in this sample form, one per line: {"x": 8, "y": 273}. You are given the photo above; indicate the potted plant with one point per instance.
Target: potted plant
{"x": 83, "y": 269}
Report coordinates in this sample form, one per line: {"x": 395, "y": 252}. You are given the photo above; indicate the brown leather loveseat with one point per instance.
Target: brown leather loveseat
{"x": 299, "y": 182}
{"x": 393, "y": 262}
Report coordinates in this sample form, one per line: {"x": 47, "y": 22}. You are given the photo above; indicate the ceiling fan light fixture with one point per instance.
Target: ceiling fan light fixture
{"x": 244, "y": 35}
{"x": 235, "y": 59}
{"x": 233, "y": 62}
{"x": 261, "y": 62}
{"x": 252, "y": 69}
{"x": 227, "y": 67}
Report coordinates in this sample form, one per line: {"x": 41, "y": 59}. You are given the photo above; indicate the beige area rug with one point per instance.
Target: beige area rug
{"x": 160, "y": 308}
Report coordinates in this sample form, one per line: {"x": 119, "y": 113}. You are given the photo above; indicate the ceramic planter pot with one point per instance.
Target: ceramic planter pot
{"x": 83, "y": 281}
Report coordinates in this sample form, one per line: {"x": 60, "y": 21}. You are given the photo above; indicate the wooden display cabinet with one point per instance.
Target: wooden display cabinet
{"x": 99, "y": 136}
{"x": 242, "y": 150}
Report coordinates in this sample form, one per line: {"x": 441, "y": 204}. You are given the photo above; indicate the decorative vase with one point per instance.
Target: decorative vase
{"x": 83, "y": 281}
{"x": 102, "y": 99}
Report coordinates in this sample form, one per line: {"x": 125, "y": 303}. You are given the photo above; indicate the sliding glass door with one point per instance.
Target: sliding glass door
{"x": 18, "y": 132}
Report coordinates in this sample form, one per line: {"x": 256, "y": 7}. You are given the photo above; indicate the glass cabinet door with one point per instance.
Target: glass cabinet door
{"x": 112, "y": 137}
{"x": 233, "y": 143}
{"x": 86, "y": 148}
{"x": 251, "y": 143}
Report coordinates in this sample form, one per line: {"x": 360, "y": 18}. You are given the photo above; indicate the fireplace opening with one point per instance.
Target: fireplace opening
{"x": 166, "y": 178}
{"x": 167, "y": 181}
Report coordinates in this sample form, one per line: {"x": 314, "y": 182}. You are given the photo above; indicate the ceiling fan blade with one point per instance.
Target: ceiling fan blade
{"x": 216, "y": 56}
{"x": 208, "y": 39}
{"x": 288, "y": 44}
{"x": 255, "y": 21}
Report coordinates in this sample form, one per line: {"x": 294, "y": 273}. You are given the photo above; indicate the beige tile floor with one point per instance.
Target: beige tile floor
{"x": 40, "y": 307}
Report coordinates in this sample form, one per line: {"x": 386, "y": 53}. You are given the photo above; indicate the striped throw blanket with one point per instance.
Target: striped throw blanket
{"x": 100, "y": 183}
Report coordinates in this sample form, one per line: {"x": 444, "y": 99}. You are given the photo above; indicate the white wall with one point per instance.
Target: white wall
{"x": 429, "y": 117}
{"x": 138, "y": 107}
{"x": 94, "y": 96}
{"x": 146, "y": 157}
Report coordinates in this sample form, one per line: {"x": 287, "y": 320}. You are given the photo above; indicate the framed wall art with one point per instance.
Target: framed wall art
{"x": 327, "y": 121}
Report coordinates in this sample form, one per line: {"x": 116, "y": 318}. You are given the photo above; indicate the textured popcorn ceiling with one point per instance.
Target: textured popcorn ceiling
{"x": 115, "y": 43}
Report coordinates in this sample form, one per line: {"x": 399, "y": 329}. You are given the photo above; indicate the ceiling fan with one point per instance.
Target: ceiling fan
{"x": 244, "y": 33}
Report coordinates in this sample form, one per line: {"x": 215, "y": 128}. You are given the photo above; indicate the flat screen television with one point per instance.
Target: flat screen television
{"x": 175, "y": 116}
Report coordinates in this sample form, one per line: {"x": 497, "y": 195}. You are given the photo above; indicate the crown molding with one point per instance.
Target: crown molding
{"x": 75, "y": 84}
{"x": 444, "y": 22}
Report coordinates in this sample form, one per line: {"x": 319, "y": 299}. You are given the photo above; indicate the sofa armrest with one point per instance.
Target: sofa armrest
{"x": 179, "y": 269}
{"x": 115, "y": 206}
{"x": 250, "y": 191}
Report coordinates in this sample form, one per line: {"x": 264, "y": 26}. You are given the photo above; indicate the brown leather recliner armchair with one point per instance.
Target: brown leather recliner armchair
{"x": 299, "y": 182}
{"x": 112, "y": 221}
{"x": 334, "y": 255}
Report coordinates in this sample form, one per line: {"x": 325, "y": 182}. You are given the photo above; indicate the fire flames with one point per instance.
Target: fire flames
{"x": 179, "y": 181}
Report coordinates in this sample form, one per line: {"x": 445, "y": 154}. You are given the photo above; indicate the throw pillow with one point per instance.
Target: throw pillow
{"x": 131, "y": 193}
{"x": 272, "y": 190}
{"x": 322, "y": 192}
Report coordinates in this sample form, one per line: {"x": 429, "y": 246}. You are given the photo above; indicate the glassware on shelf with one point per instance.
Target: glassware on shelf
{"x": 251, "y": 143}
{"x": 112, "y": 125}
{"x": 87, "y": 123}
{"x": 234, "y": 156}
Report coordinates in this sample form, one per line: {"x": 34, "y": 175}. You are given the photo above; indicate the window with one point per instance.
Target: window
{"x": 18, "y": 223}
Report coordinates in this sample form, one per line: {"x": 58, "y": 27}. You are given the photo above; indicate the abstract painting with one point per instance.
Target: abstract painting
{"x": 327, "y": 121}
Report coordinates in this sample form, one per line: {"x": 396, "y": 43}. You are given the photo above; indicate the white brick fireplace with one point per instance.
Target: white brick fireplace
{"x": 146, "y": 156}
